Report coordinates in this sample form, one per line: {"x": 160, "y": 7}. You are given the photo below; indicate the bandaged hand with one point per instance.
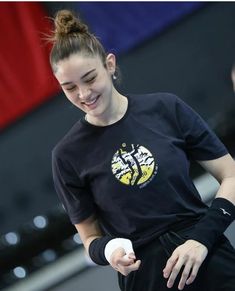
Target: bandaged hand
{"x": 120, "y": 254}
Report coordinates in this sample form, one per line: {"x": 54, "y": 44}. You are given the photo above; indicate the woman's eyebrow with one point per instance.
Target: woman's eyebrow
{"x": 87, "y": 73}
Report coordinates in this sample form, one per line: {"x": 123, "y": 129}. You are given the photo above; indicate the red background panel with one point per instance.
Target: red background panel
{"x": 26, "y": 79}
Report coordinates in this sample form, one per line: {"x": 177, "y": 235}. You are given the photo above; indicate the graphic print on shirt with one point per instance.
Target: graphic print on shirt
{"x": 134, "y": 165}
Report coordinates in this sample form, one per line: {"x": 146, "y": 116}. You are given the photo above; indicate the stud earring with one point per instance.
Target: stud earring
{"x": 114, "y": 77}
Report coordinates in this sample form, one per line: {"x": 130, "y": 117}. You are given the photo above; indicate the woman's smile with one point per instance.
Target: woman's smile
{"x": 92, "y": 103}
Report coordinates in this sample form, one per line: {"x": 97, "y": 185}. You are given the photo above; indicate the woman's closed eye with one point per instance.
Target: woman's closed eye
{"x": 90, "y": 80}
{"x": 71, "y": 88}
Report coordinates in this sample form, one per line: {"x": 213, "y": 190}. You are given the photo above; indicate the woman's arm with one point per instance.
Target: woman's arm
{"x": 223, "y": 169}
{"x": 89, "y": 230}
{"x": 192, "y": 253}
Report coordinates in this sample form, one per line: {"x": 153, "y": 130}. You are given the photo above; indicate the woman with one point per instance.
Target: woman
{"x": 122, "y": 174}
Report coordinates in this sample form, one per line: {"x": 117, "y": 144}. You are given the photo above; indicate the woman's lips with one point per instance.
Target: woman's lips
{"x": 92, "y": 103}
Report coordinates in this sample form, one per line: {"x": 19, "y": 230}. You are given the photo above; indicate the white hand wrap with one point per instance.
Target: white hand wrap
{"x": 116, "y": 243}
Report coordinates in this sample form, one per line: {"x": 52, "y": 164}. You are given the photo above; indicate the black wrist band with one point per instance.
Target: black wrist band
{"x": 213, "y": 224}
{"x": 96, "y": 250}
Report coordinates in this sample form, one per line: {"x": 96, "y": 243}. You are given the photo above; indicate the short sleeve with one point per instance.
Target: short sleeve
{"x": 200, "y": 141}
{"x": 75, "y": 197}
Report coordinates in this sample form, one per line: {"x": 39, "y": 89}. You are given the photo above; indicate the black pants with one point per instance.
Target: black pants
{"x": 217, "y": 272}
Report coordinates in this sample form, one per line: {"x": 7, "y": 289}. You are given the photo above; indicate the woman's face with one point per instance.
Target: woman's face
{"x": 86, "y": 82}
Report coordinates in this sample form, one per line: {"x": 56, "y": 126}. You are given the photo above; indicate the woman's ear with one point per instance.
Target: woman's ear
{"x": 111, "y": 63}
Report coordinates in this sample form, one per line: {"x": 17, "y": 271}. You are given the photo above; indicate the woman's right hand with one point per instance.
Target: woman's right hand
{"x": 123, "y": 263}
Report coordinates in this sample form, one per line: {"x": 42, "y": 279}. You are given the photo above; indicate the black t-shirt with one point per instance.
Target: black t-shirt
{"x": 134, "y": 174}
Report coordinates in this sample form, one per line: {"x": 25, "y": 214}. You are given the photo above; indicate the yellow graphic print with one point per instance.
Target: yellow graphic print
{"x": 133, "y": 165}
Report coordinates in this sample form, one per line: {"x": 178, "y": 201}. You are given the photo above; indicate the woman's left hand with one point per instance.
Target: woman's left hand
{"x": 191, "y": 254}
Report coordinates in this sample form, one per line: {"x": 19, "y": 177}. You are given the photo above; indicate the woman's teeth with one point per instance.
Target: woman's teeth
{"x": 91, "y": 102}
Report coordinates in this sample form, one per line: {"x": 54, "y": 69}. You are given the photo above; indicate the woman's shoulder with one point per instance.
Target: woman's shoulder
{"x": 155, "y": 101}
{"x": 155, "y": 97}
{"x": 69, "y": 140}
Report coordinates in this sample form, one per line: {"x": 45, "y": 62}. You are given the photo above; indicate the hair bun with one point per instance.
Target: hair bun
{"x": 66, "y": 23}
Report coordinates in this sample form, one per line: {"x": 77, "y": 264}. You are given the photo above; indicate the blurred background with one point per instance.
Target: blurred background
{"x": 187, "y": 48}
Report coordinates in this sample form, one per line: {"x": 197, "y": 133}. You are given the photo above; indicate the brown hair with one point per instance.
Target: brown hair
{"x": 71, "y": 36}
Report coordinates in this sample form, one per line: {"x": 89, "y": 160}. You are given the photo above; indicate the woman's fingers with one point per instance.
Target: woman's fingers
{"x": 169, "y": 265}
{"x": 189, "y": 273}
{"x": 130, "y": 256}
{"x": 125, "y": 270}
{"x": 193, "y": 273}
{"x": 174, "y": 272}
{"x": 185, "y": 275}
{"x": 188, "y": 257}
{"x": 120, "y": 257}
{"x": 124, "y": 263}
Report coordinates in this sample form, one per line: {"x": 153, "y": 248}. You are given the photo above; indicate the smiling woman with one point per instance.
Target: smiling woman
{"x": 85, "y": 72}
{"x": 122, "y": 174}
{"x": 87, "y": 83}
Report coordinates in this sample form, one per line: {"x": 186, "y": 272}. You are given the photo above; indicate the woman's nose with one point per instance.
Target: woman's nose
{"x": 84, "y": 93}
